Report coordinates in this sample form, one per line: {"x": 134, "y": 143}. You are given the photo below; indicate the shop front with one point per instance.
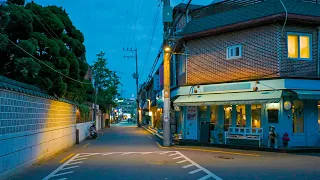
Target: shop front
{"x": 204, "y": 117}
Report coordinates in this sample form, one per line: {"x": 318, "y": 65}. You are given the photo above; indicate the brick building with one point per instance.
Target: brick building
{"x": 240, "y": 67}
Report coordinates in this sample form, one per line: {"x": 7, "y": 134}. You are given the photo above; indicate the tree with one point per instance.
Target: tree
{"x": 32, "y": 33}
{"x": 106, "y": 81}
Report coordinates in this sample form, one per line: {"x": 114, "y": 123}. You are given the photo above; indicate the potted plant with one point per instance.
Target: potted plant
{"x": 176, "y": 136}
{"x": 285, "y": 140}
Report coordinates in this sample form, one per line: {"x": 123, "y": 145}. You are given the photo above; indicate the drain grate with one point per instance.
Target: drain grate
{"x": 224, "y": 157}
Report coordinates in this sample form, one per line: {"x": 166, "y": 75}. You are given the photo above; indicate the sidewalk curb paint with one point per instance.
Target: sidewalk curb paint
{"x": 152, "y": 132}
{"x": 66, "y": 158}
{"x": 207, "y": 150}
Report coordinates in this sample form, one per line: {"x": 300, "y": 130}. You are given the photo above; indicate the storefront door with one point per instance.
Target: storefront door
{"x": 192, "y": 123}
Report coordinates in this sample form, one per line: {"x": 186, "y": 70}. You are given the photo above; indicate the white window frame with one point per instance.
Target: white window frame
{"x": 310, "y": 44}
{"x": 229, "y": 50}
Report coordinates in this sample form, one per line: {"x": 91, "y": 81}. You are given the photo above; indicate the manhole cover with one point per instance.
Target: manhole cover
{"x": 224, "y": 157}
{"x": 158, "y": 162}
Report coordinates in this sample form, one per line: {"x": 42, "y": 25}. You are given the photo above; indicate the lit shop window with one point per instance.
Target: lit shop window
{"x": 256, "y": 116}
{"x": 213, "y": 116}
{"x": 227, "y": 117}
{"x": 299, "y": 46}
{"x": 241, "y": 115}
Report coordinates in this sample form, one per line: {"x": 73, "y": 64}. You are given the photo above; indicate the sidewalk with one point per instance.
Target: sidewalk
{"x": 186, "y": 143}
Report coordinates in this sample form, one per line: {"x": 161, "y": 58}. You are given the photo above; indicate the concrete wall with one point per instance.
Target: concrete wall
{"x": 32, "y": 129}
{"x": 83, "y": 130}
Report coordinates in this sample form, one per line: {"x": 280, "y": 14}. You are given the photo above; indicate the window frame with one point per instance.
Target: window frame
{"x": 310, "y": 44}
{"x": 229, "y": 57}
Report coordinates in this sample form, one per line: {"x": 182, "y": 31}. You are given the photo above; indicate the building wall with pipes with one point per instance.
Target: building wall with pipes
{"x": 33, "y": 127}
{"x": 264, "y": 56}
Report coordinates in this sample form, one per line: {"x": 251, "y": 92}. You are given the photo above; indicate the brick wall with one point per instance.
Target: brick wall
{"x": 32, "y": 129}
{"x": 207, "y": 61}
{"x": 299, "y": 68}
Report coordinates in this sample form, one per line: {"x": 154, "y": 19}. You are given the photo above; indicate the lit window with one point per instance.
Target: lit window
{"x": 299, "y": 46}
{"x": 234, "y": 52}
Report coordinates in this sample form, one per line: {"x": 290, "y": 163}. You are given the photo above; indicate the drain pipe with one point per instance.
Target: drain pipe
{"x": 318, "y": 51}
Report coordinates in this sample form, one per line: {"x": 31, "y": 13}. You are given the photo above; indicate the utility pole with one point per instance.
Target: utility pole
{"x": 167, "y": 19}
{"x": 135, "y": 76}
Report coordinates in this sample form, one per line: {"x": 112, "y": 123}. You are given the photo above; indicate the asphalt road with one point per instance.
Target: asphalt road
{"x": 125, "y": 152}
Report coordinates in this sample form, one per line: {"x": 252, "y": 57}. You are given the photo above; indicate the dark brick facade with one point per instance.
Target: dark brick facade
{"x": 264, "y": 56}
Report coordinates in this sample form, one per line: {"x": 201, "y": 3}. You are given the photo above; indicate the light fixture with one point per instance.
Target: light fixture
{"x": 167, "y": 48}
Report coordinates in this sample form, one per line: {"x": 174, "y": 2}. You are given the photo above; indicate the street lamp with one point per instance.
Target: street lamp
{"x": 167, "y": 49}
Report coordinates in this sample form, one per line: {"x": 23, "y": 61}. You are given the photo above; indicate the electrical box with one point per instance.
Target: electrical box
{"x": 167, "y": 14}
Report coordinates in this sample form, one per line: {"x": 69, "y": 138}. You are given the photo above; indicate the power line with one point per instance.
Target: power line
{"x": 135, "y": 23}
{"x": 153, "y": 30}
{"x": 42, "y": 62}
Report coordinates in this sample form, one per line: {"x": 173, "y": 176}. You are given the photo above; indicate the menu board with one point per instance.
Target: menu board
{"x": 192, "y": 123}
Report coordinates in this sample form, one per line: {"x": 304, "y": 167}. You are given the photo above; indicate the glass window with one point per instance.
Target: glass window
{"x": 227, "y": 117}
{"x": 203, "y": 113}
{"x": 213, "y": 116}
{"x": 299, "y": 46}
{"x": 182, "y": 64}
{"x": 241, "y": 115}
{"x": 298, "y": 118}
{"x": 256, "y": 116}
{"x": 273, "y": 112}
{"x": 234, "y": 52}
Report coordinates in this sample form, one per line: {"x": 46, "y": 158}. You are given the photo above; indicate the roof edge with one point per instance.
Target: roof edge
{"x": 252, "y": 23}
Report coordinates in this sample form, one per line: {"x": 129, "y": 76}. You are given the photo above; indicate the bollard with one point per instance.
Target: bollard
{"x": 77, "y": 136}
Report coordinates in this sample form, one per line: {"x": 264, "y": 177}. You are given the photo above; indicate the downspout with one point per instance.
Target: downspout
{"x": 318, "y": 52}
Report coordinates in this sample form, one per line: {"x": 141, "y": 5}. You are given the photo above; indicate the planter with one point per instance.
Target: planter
{"x": 285, "y": 144}
{"x": 212, "y": 141}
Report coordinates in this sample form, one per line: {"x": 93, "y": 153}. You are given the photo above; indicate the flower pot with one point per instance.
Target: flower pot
{"x": 285, "y": 144}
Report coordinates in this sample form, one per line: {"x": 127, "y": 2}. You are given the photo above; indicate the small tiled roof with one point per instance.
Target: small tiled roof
{"x": 251, "y": 12}
{"x": 12, "y": 85}
{"x": 182, "y": 6}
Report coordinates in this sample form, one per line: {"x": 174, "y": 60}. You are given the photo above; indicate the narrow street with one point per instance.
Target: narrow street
{"x": 126, "y": 152}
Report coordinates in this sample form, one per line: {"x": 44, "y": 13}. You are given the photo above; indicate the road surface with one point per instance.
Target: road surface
{"x": 125, "y": 152}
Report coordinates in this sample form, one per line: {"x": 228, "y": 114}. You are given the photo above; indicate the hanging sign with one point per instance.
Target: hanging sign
{"x": 192, "y": 123}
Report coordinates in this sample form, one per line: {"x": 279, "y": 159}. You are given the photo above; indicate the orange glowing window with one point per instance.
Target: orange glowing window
{"x": 299, "y": 46}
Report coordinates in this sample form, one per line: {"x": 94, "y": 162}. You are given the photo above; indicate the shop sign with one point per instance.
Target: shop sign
{"x": 192, "y": 123}
{"x": 156, "y": 82}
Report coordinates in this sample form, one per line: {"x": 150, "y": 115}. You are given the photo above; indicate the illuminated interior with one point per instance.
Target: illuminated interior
{"x": 293, "y": 46}
{"x": 299, "y": 46}
{"x": 304, "y": 47}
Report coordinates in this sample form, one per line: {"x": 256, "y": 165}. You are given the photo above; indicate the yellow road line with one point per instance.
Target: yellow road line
{"x": 66, "y": 158}
{"x": 207, "y": 150}
{"x": 86, "y": 145}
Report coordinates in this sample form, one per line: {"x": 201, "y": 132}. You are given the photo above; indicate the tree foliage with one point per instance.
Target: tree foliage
{"x": 107, "y": 82}
{"x": 48, "y": 35}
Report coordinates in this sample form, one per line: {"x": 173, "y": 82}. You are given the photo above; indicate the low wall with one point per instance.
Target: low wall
{"x": 33, "y": 128}
{"x": 83, "y": 130}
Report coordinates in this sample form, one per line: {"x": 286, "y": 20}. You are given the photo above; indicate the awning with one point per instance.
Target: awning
{"x": 230, "y": 98}
{"x": 308, "y": 94}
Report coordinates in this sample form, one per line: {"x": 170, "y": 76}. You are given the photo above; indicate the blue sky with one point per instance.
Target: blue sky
{"x": 110, "y": 25}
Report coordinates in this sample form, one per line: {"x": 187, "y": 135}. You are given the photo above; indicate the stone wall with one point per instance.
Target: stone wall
{"x": 32, "y": 128}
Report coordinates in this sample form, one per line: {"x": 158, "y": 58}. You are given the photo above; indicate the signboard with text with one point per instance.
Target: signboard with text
{"x": 192, "y": 123}
{"x": 161, "y": 76}
{"x": 156, "y": 82}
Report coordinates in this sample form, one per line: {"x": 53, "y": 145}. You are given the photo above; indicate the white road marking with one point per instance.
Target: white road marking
{"x": 205, "y": 177}
{"x": 188, "y": 166}
{"x": 195, "y": 171}
{"x": 146, "y": 153}
{"x": 179, "y": 157}
{"x": 79, "y": 162}
{"x": 60, "y": 174}
{"x": 200, "y": 167}
{"x": 182, "y": 161}
{"x": 76, "y": 160}
{"x": 60, "y": 167}
{"x": 173, "y": 154}
{"x": 70, "y": 167}
{"x": 79, "y": 159}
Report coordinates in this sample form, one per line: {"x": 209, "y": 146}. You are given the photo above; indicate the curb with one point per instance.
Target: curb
{"x": 152, "y": 132}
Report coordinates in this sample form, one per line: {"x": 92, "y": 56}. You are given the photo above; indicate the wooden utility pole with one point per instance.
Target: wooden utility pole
{"x": 167, "y": 19}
